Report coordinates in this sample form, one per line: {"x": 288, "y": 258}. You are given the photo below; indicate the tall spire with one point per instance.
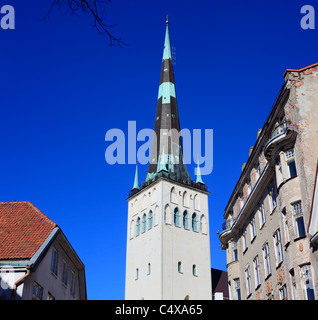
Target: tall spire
{"x": 167, "y": 138}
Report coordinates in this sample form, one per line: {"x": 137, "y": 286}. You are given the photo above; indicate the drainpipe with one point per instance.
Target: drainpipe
{"x": 20, "y": 281}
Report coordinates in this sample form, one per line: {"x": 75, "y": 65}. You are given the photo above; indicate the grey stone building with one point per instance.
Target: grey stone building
{"x": 270, "y": 232}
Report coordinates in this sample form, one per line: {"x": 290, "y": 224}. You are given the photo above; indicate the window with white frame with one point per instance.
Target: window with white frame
{"x": 253, "y": 227}
{"x": 278, "y": 247}
{"x": 283, "y": 292}
{"x": 138, "y": 226}
{"x": 307, "y": 282}
{"x": 257, "y": 275}
{"x": 237, "y": 289}
{"x": 291, "y": 164}
{"x": 244, "y": 240}
{"x": 261, "y": 213}
{"x": 234, "y": 250}
{"x": 266, "y": 259}
{"x": 144, "y": 223}
{"x": 248, "y": 280}
{"x": 299, "y": 220}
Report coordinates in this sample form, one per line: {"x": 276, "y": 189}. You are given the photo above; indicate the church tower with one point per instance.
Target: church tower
{"x": 168, "y": 242}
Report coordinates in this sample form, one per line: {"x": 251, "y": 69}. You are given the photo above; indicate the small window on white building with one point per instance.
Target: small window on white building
{"x": 144, "y": 223}
{"x": 176, "y": 217}
{"x": 186, "y": 199}
{"x": 137, "y": 274}
{"x": 173, "y": 195}
{"x": 194, "y": 270}
{"x": 149, "y": 269}
{"x": 180, "y": 267}
{"x": 195, "y": 222}
{"x": 203, "y": 224}
{"x": 138, "y": 227}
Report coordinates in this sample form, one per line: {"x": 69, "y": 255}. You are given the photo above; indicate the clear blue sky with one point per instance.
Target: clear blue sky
{"x": 62, "y": 87}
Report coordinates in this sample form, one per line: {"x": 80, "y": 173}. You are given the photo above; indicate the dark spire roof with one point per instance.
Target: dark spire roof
{"x": 167, "y": 153}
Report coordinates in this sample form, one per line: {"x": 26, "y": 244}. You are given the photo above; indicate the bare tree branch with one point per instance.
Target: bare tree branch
{"x": 95, "y": 8}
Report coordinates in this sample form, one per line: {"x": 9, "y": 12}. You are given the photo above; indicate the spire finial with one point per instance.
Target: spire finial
{"x": 167, "y": 21}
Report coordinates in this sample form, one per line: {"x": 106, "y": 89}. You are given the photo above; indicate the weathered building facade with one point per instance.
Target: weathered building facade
{"x": 271, "y": 251}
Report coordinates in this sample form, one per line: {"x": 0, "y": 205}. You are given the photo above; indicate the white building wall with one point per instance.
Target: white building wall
{"x": 165, "y": 245}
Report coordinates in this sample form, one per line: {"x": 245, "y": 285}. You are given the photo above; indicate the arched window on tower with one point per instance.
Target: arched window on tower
{"x": 132, "y": 228}
{"x": 144, "y": 202}
{"x": 173, "y": 195}
{"x": 138, "y": 226}
{"x": 203, "y": 225}
{"x": 186, "y": 199}
{"x": 150, "y": 220}
{"x": 144, "y": 223}
{"x": 185, "y": 220}
{"x": 197, "y": 202}
{"x": 176, "y": 217}
{"x": 167, "y": 214}
{"x": 179, "y": 267}
{"x": 194, "y": 222}
{"x": 194, "y": 270}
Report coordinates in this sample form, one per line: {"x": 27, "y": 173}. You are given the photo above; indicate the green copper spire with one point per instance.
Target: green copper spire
{"x": 136, "y": 185}
{"x": 167, "y": 49}
{"x": 166, "y": 152}
{"x": 199, "y": 179}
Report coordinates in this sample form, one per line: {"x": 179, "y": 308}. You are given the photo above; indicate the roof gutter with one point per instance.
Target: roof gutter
{"x": 20, "y": 281}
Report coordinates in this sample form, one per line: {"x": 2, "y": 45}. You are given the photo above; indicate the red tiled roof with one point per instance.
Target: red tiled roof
{"x": 23, "y": 229}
